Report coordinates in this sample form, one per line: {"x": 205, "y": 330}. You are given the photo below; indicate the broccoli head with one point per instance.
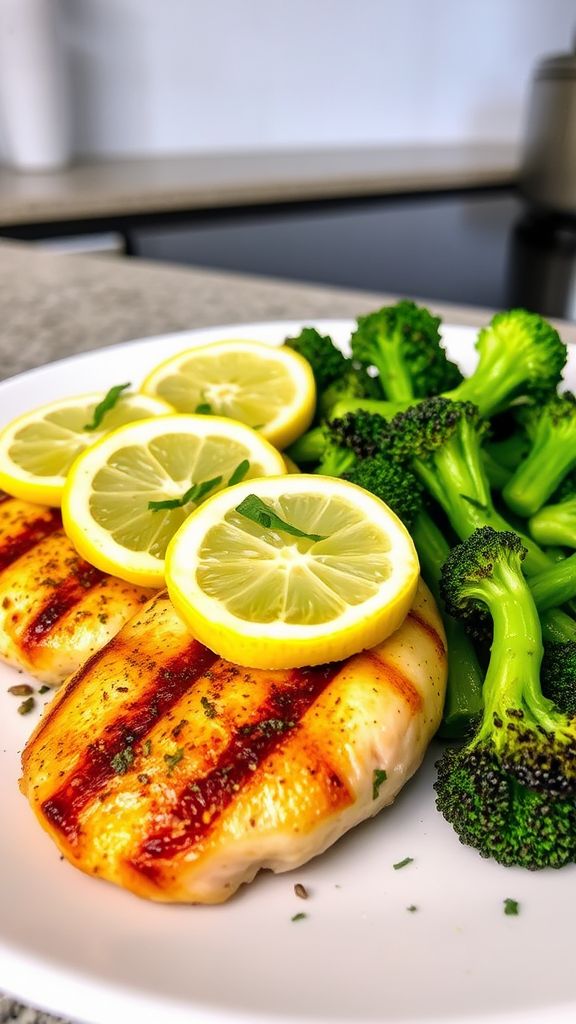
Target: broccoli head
{"x": 522, "y": 729}
{"x": 520, "y": 353}
{"x": 395, "y": 485}
{"x": 441, "y": 441}
{"x": 551, "y": 456}
{"x": 403, "y": 342}
{"x": 559, "y": 675}
{"x": 499, "y": 817}
{"x": 326, "y": 361}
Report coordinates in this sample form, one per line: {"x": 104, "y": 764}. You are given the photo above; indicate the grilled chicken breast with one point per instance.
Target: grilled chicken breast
{"x": 176, "y": 774}
{"x": 55, "y": 609}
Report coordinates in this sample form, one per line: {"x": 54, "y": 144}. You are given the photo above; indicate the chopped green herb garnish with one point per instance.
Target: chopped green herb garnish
{"x": 147, "y": 748}
{"x": 378, "y": 777}
{"x": 26, "y": 706}
{"x": 403, "y": 863}
{"x": 107, "y": 403}
{"x": 253, "y": 508}
{"x": 209, "y": 707}
{"x": 511, "y": 907}
{"x": 44, "y": 689}
{"x": 412, "y": 908}
{"x": 122, "y": 761}
{"x": 194, "y": 493}
{"x": 204, "y": 409}
{"x": 299, "y": 917}
{"x": 173, "y": 759}
{"x": 239, "y": 473}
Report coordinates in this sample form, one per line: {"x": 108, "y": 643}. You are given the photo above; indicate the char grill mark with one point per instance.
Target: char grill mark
{"x": 203, "y": 800}
{"x": 32, "y": 533}
{"x": 4, "y": 497}
{"x": 397, "y": 680}
{"x": 65, "y": 595}
{"x": 97, "y": 765}
{"x": 429, "y": 630}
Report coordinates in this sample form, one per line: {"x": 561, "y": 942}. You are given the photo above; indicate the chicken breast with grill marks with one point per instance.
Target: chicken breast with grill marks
{"x": 55, "y": 609}
{"x": 176, "y": 774}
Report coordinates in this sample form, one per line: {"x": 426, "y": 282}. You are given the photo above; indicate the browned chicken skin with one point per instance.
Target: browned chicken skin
{"x": 176, "y": 774}
{"x": 55, "y": 609}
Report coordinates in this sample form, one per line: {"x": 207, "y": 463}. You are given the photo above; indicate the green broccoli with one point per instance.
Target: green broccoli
{"x": 463, "y": 704}
{"x": 521, "y": 731}
{"x": 559, "y": 675}
{"x": 556, "y": 523}
{"x": 555, "y": 585}
{"x": 327, "y": 362}
{"x": 520, "y": 353}
{"x": 552, "y": 455}
{"x": 403, "y": 342}
{"x": 441, "y": 441}
{"x": 352, "y": 387}
{"x": 366, "y": 429}
{"x": 498, "y": 816}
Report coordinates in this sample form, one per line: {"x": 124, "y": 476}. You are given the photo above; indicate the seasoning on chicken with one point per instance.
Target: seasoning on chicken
{"x": 55, "y": 609}
{"x": 179, "y": 775}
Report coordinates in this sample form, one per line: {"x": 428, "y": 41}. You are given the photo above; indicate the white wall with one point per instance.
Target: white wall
{"x": 154, "y": 76}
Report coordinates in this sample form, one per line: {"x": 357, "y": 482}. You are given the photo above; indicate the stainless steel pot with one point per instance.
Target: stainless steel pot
{"x": 548, "y": 174}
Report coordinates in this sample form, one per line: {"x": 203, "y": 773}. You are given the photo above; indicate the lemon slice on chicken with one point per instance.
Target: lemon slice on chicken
{"x": 38, "y": 448}
{"x": 127, "y": 496}
{"x": 292, "y": 571}
{"x": 269, "y": 389}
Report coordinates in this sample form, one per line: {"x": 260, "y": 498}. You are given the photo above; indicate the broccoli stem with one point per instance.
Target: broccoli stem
{"x": 463, "y": 704}
{"x": 555, "y": 585}
{"x": 538, "y": 476}
{"x": 498, "y": 475}
{"x": 555, "y": 524}
{"x": 375, "y": 405}
{"x": 309, "y": 447}
{"x": 557, "y": 626}
{"x": 513, "y": 677}
{"x": 456, "y": 478}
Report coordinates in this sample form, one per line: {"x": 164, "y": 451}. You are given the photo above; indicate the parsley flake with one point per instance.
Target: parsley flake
{"x": 403, "y": 863}
{"x": 173, "y": 759}
{"x": 26, "y": 706}
{"x": 122, "y": 761}
{"x": 378, "y": 777}
{"x": 511, "y": 907}
{"x": 209, "y": 707}
{"x": 299, "y": 917}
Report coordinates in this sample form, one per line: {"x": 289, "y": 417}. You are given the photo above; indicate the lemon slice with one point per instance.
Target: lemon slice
{"x": 270, "y": 389}
{"x": 176, "y": 459}
{"x": 260, "y": 596}
{"x": 38, "y": 448}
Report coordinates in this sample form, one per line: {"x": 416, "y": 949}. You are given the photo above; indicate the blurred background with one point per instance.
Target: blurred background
{"x": 398, "y": 146}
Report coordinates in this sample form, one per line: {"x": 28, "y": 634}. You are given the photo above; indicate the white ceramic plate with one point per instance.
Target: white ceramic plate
{"x": 95, "y": 953}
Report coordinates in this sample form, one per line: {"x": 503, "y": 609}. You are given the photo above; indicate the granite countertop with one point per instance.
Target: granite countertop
{"x": 52, "y": 306}
{"x": 105, "y": 188}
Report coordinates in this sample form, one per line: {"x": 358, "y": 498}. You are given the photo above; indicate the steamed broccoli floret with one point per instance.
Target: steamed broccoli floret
{"x": 559, "y": 675}
{"x": 555, "y": 585}
{"x": 352, "y": 386}
{"x": 520, "y": 353}
{"x": 441, "y": 441}
{"x": 555, "y": 524}
{"x": 499, "y": 817}
{"x": 357, "y": 431}
{"x": 552, "y": 455}
{"x": 521, "y": 730}
{"x": 403, "y": 342}
{"x": 327, "y": 362}
{"x": 391, "y": 483}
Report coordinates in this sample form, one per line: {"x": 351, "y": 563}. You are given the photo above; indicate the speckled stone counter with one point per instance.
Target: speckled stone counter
{"x": 53, "y": 306}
